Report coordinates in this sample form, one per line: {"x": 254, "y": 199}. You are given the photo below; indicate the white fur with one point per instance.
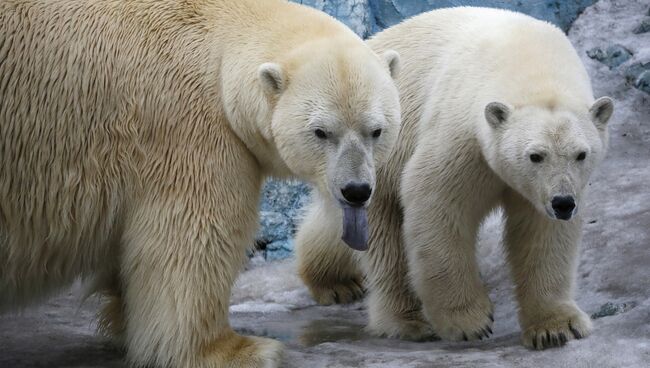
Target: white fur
{"x": 135, "y": 137}
{"x": 481, "y": 90}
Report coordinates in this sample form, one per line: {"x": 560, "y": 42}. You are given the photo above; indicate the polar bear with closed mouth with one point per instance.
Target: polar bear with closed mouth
{"x": 498, "y": 111}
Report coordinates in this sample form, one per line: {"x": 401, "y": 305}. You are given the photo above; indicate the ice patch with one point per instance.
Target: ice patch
{"x": 258, "y": 307}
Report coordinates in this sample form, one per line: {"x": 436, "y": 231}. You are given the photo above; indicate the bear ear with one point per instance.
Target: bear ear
{"x": 496, "y": 114}
{"x": 601, "y": 111}
{"x": 272, "y": 78}
{"x": 391, "y": 57}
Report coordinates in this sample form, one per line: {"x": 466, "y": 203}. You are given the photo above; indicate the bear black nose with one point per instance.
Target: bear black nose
{"x": 563, "y": 206}
{"x": 356, "y": 194}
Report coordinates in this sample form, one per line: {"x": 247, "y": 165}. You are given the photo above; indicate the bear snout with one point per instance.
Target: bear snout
{"x": 563, "y": 207}
{"x": 357, "y": 194}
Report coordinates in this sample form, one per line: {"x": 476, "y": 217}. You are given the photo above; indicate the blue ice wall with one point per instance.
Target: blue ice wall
{"x": 366, "y": 17}
{"x": 280, "y": 212}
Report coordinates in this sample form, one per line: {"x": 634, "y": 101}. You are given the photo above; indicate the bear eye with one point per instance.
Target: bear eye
{"x": 376, "y": 133}
{"x": 320, "y": 133}
{"x": 581, "y": 156}
{"x": 536, "y": 158}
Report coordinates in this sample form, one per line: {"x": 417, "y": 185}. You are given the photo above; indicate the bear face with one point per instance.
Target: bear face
{"x": 334, "y": 121}
{"x": 548, "y": 155}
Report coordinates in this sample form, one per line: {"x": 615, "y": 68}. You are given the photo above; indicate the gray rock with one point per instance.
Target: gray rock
{"x": 643, "y": 82}
{"x": 613, "y": 56}
{"x": 643, "y": 27}
{"x": 611, "y": 309}
{"x": 597, "y": 53}
{"x": 634, "y": 71}
{"x": 638, "y": 75}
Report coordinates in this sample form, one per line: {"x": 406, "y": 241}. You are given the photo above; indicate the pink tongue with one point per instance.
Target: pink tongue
{"x": 355, "y": 227}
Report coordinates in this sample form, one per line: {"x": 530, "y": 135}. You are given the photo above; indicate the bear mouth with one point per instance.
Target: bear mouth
{"x": 355, "y": 227}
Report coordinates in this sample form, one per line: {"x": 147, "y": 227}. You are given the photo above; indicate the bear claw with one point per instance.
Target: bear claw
{"x": 339, "y": 292}
{"x": 469, "y": 322}
{"x": 557, "y": 330}
{"x": 575, "y": 332}
{"x": 412, "y": 328}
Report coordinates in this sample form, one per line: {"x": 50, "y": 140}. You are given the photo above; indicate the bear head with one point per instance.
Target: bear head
{"x": 548, "y": 153}
{"x": 335, "y": 119}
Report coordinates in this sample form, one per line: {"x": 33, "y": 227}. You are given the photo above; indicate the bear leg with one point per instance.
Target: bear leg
{"x": 393, "y": 308}
{"x": 184, "y": 243}
{"x": 542, "y": 253}
{"x": 442, "y": 213}
{"x": 111, "y": 317}
{"x": 446, "y": 278}
{"x": 325, "y": 264}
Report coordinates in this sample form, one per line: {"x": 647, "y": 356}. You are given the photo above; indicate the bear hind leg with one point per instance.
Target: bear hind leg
{"x": 325, "y": 264}
{"x": 393, "y": 308}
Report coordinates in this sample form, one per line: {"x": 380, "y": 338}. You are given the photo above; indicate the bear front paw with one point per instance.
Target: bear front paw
{"x": 556, "y": 329}
{"x": 243, "y": 351}
{"x": 468, "y": 322}
{"x": 409, "y": 326}
{"x": 343, "y": 291}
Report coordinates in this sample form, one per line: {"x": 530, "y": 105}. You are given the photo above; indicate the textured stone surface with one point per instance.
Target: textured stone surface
{"x": 643, "y": 27}
{"x": 611, "y": 309}
{"x": 615, "y": 26}
{"x": 612, "y": 56}
{"x": 643, "y": 82}
{"x": 638, "y": 74}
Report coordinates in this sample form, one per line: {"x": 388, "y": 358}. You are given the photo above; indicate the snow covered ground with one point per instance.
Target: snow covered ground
{"x": 270, "y": 300}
